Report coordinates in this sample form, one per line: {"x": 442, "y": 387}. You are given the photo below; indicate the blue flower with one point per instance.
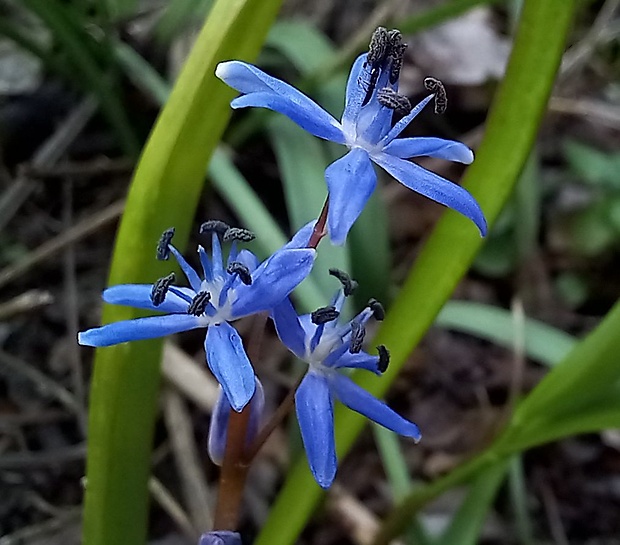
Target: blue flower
{"x": 327, "y": 346}
{"x": 366, "y": 129}
{"x": 223, "y": 295}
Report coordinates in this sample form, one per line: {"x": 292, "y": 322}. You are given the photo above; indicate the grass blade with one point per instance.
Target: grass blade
{"x": 164, "y": 192}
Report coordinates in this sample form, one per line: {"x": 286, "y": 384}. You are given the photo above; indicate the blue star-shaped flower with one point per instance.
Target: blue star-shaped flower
{"x": 366, "y": 129}
{"x": 223, "y": 295}
{"x": 327, "y": 346}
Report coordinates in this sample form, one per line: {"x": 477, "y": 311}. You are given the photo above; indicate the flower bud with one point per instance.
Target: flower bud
{"x": 222, "y": 537}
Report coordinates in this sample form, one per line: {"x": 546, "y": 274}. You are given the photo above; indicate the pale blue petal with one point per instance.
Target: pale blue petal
{"x": 216, "y": 256}
{"x": 288, "y": 327}
{"x": 350, "y": 182}
{"x": 360, "y": 401}
{"x": 434, "y": 187}
{"x": 404, "y": 122}
{"x": 139, "y": 329}
{"x": 188, "y": 270}
{"x": 361, "y": 360}
{"x": 301, "y": 238}
{"x": 229, "y": 363}
{"x": 206, "y": 264}
{"x": 355, "y": 92}
{"x": 272, "y": 281}
{"x": 315, "y": 413}
{"x": 450, "y": 150}
{"x": 218, "y": 425}
{"x": 263, "y": 91}
{"x": 139, "y": 296}
{"x": 247, "y": 258}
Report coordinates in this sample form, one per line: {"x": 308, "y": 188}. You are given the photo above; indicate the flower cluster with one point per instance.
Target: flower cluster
{"x": 239, "y": 286}
{"x": 367, "y": 129}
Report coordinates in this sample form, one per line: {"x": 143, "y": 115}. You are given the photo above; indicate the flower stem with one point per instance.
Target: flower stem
{"x": 320, "y": 229}
{"x": 276, "y": 419}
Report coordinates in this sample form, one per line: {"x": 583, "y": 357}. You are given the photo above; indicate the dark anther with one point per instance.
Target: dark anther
{"x": 163, "y": 252}
{"x": 391, "y": 99}
{"x": 377, "y": 309}
{"x": 378, "y": 47}
{"x": 396, "y": 52}
{"x": 323, "y": 315}
{"x": 358, "y": 332}
{"x": 237, "y": 233}
{"x": 241, "y": 270}
{"x": 160, "y": 289}
{"x": 349, "y": 285}
{"x": 441, "y": 98}
{"x": 199, "y": 303}
{"x": 217, "y": 226}
{"x": 384, "y": 358}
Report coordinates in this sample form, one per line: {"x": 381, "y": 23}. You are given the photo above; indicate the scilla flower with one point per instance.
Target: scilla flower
{"x": 366, "y": 129}
{"x": 222, "y": 295}
{"x": 327, "y": 346}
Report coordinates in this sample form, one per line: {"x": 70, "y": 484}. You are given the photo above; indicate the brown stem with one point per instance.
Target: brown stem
{"x": 320, "y": 229}
{"x": 276, "y": 419}
{"x": 234, "y": 472}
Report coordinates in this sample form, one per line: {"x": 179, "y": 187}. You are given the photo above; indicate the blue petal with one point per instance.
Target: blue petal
{"x": 361, "y": 360}
{"x": 190, "y": 273}
{"x": 434, "y": 187}
{"x": 216, "y": 256}
{"x": 360, "y": 401}
{"x": 350, "y": 182}
{"x": 247, "y": 258}
{"x": 301, "y": 238}
{"x": 404, "y": 122}
{"x": 263, "y": 91}
{"x": 272, "y": 281}
{"x": 218, "y": 425}
{"x": 139, "y": 296}
{"x": 206, "y": 264}
{"x": 355, "y": 93}
{"x": 288, "y": 327}
{"x": 139, "y": 329}
{"x": 229, "y": 363}
{"x": 430, "y": 147}
{"x": 315, "y": 413}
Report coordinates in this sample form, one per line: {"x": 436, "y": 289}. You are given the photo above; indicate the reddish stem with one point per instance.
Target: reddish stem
{"x": 234, "y": 472}
{"x": 320, "y": 227}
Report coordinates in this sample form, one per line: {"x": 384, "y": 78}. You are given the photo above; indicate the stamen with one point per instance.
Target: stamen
{"x": 384, "y": 358}
{"x": 241, "y": 270}
{"x": 395, "y": 54}
{"x": 160, "y": 289}
{"x": 358, "y": 332}
{"x": 441, "y": 98}
{"x": 199, "y": 303}
{"x": 217, "y": 226}
{"x": 378, "y": 47}
{"x": 323, "y": 315}
{"x": 163, "y": 252}
{"x": 391, "y": 99}
{"x": 377, "y": 309}
{"x": 237, "y": 233}
{"x": 349, "y": 285}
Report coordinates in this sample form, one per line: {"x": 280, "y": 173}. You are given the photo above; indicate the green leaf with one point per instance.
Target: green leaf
{"x": 595, "y": 167}
{"x": 543, "y": 342}
{"x": 510, "y": 132}
{"x": 164, "y": 192}
{"x": 467, "y": 523}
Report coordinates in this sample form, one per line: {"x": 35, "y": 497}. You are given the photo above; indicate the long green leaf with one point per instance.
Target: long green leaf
{"x": 543, "y": 343}
{"x": 467, "y": 523}
{"x": 164, "y": 192}
{"x": 511, "y": 129}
